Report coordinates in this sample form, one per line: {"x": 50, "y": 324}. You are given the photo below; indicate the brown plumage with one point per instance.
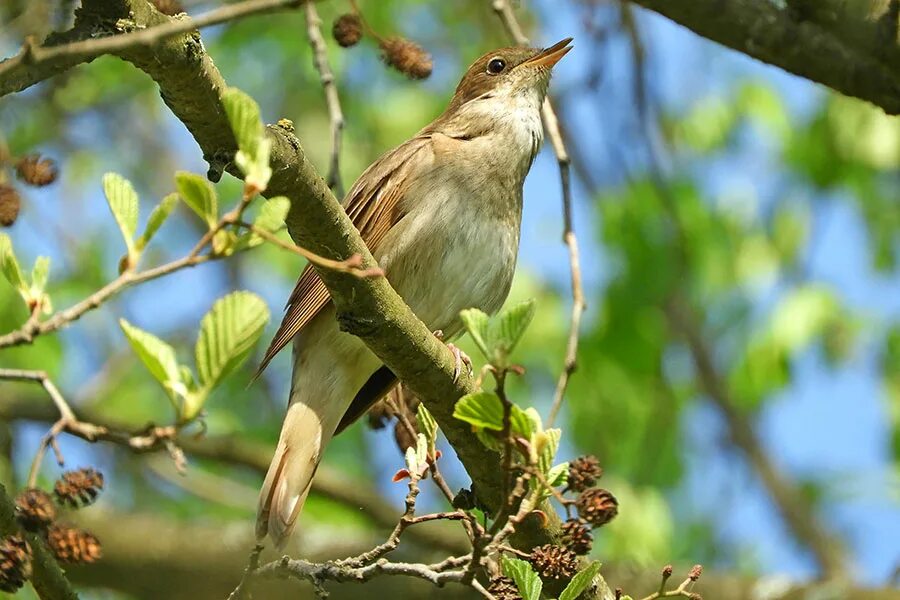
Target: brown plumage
{"x": 441, "y": 215}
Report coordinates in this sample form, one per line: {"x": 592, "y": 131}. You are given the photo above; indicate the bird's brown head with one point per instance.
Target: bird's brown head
{"x": 509, "y": 71}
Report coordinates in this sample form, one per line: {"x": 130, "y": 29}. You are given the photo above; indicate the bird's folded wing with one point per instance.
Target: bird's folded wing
{"x": 374, "y": 205}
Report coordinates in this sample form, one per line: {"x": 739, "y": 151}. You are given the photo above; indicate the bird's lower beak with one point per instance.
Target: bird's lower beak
{"x": 550, "y": 56}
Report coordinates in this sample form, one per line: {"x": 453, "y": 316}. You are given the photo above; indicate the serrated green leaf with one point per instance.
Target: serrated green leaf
{"x": 252, "y": 157}
{"x": 123, "y": 204}
{"x": 427, "y": 425}
{"x": 272, "y": 214}
{"x": 157, "y": 356}
{"x": 243, "y": 115}
{"x": 227, "y": 334}
{"x": 199, "y": 194}
{"x": 157, "y": 217}
{"x": 480, "y": 409}
{"x": 559, "y": 475}
{"x": 10, "y": 265}
{"x": 39, "y": 274}
{"x": 511, "y": 325}
{"x": 580, "y": 582}
{"x": 523, "y": 574}
{"x": 477, "y": 323}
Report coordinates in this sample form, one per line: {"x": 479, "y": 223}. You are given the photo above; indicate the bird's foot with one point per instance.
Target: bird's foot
{"x": 461, "y": 358}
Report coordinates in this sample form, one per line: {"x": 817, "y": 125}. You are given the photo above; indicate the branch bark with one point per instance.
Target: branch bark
{"x": 758, "y": 28}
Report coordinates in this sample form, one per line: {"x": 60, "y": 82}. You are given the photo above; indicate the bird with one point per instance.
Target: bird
{"x": 441, "y": 213}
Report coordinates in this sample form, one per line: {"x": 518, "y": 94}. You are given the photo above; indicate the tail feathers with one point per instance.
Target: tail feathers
{"x": 290, "y": 474}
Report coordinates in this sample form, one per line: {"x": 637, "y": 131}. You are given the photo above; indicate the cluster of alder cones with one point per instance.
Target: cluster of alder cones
{"x": 36, "y": 512}
{"x": 397, "y": 52}
{"x": 33, "y": 170}
{"x": 596, "y": 507}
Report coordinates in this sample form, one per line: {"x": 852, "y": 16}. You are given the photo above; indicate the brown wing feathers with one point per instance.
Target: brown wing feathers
{"x": 373, "y": 205}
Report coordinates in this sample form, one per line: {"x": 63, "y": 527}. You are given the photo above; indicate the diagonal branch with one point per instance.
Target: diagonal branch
{"x": 763, "y": 31}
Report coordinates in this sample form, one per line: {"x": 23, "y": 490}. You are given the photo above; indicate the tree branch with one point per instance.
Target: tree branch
{"x": 762, "y": 30}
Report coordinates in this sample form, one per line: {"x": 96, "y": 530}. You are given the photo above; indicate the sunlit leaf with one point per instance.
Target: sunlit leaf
{"x": 10, "y": 265}
{"x": 157, "y": 356}
{"x": 199, "y": 194}
{"x": 580, "y": 582}
{"x": 157, "y": 217}
{"x": 123, "y": 203}
{"x": 520, "y": 571}
{"x": 227, "y": 334}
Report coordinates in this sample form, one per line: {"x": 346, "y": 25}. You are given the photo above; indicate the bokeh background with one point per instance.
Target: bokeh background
{"x": 724, "y": 209}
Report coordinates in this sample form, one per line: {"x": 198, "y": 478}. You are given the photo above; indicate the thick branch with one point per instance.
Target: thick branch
{"x": 760, "y": 29}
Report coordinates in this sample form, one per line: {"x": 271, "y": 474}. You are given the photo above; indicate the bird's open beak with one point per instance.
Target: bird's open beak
{"x": 550, "y": 56}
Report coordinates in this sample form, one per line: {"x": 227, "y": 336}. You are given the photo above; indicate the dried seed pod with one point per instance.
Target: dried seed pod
{"x": 78, "y": 488}
{"x": 35, "y": 509}
{"x": 554, "y": 562}
{"x": 597, "y": 506}
{"x": 15, "y": 563}
{"x": 168, "y": 7}
{"x": 576, "y": 536}
{"x": 10, "y": 203}
{"x": 584, "y": 472}
{"x": 73, "y": 545}
{"x": 695, "y": 573}
{"x": 407, "y": 57}
{"x": 36, "y": 171}
{"x": 504, "y": 588}
{"x": 347, "y": 30}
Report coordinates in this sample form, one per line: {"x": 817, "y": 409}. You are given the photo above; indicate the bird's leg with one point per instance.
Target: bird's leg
{"x": 460, "y": 356}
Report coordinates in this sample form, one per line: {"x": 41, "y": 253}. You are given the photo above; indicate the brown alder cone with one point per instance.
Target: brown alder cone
{"x": 576, "y": 536}
{"x": 597, "y": 506}
{"x": 347, "y": 30}
{"x": 504, "y": 588}
{"x": 15, "y": 563}
{"x": 407, "y": 57}
{"x": 36, "y": 171}
{"x": 584, "y": 472}
{"x": 73, "y": 545}
{"x": 554, "y": 562}
{"x": 10, "y": 204}
{"x": 78, "y": 488}
{"x": 35, "y": 509}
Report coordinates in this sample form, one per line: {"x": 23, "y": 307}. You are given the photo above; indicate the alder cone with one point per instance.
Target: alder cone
{"x": 597, "y": 506}
{"x": 15, "y": 563}
{"x": 584, "y": 472}
{"x": 36, "y": 171}
{"x": 407, "y": 57}
{"x": 554, "y": 562}
{"x": 504, "y": 588}
{"x": 35, "y": 509}
{"x": 10, "y": 204}
{"x": 576, "y": 536}
{"x": 347, "y": 30}
{"x": 78, "y": 488}
{"x": 73, "y": 545}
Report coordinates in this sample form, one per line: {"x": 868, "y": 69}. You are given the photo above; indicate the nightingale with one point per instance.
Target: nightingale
{"x": 441, "y": 214}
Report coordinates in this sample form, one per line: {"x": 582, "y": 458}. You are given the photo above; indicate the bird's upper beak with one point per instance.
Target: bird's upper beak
{"x": 550, "y": 56}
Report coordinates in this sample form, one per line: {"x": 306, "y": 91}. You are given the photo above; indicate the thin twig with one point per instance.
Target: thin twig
{"x": 326, "y": 76}
{"x": 551, "y": 123}
{"x": 69, "y": 423}
{"x": 352, "y": 265}
{"x": 88, "y": 49}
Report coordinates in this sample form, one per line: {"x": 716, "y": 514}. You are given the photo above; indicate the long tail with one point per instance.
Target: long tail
{"x": 300, "y": 447}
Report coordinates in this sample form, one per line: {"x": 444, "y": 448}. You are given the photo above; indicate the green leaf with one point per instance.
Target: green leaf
{"x": 199, "y": 194}
{"x": 227, "y": 334}
{"x": 558, "y": 475}
{"x": 497, "y": 337}
{"x": 157, "y": 217}
{"x": 123, "y": 203}
{"x": 580, "y": 582}
{"x": 477, "y": 324}
{"x": 252, "y": 157}
{"x": 480, "y": 409}
{"x": 511, "y": 325}
{"x": 427, "y": 425}
{"x": 526, "y": 579}
{"x": 39, "y": 274}
{"x": 10, "y": 265}
{"x": 272, "y": 214}
{"x": 157, "y": 356}
{"x": 547, "y": 449}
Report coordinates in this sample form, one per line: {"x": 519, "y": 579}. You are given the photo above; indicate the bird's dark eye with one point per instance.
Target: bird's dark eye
{"x": 496, "y": 66}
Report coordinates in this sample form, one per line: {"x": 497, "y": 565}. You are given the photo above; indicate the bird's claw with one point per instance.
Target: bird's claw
{"x": 461, "y": 358}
